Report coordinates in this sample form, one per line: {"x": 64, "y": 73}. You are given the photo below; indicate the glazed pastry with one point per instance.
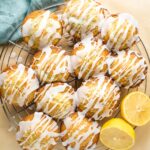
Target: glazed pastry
{"x": 89, "y": 58}
{"x": 52, "y": 64}
{"x": 56, "y": 100}
{"x": 98, "y": 97}
{"x": 79, "y": 133}
{"x": 18, "y": 85}
{"x": 41, "y": 28}
{"x": 119, "y": 32}
{"x": 128, "y": 68}
{"x": 82, "y": 17}
{"x": 37, "y": 131}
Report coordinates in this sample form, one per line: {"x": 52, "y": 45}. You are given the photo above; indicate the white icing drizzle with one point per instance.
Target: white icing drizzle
{"x": 31, "y": 134}
{"x": 52, "y": 66}
{"x": 42, "y": 23}
{"x": 21, "y": 78}
{"x": 27, "y": 28}
{"x": 118, "y": 32}
{"x": 43, "y": 28}
{"x": 73, "y": 129}
{"x": 56, "y": 100}
{"x": 132, "y": 68}
{"x": 83, "y": 16}
{"x": 130, "y": 18}
{"x": 89, "y": 58}
{"x": 96, "y": 94}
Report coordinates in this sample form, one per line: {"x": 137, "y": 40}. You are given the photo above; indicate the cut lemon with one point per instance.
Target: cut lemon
{"x": 117, "y": 134}
{"x": 135, "y": 108}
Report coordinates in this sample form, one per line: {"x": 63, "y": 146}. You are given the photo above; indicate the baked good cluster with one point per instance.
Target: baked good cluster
{"x": 101, "y": 56}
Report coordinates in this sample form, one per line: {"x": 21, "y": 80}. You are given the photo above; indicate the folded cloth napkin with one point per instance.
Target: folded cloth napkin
{"x": 12, "y": 13}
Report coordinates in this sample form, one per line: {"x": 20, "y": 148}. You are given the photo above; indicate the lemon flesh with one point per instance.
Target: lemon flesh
{"x": 135, "y": 108}
{"x": 117, "y": 134}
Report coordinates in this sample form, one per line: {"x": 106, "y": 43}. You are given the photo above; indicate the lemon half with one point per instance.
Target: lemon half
{"x": 135, "y": 108}
{"x": 117, "y": 134}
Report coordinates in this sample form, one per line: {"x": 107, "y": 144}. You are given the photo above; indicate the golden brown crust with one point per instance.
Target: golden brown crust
{"x": 28, "y": 118}
{"x": 30, "y": 135}
{"x": 125, "y": 31}
{"x": 89, "y": 57}
{"x": 90, "y": 14}
{"x": 77, "y": 127}
{"x": 55, "y": 99}
{"x": 51, "y": 61}
{"x": 36, "y": 41}
{"x": 103, "y": 92}
{"x": 33, "y": 15}
{"x": 131, "y": 69}
{"x": 13, "y": 89}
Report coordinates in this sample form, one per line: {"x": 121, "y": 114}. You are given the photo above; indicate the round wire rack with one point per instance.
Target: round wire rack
{"x": 18, "y": 52}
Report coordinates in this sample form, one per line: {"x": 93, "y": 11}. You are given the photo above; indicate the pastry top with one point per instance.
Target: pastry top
{"x": 89, "y": 57}
{"x": 18, "y": 85}
{"x": 82, "y": 17}
{"x": 41, "y": 28}
{"x": 77, "y": 132}
{"x": 37, "y": 131}
{"x": 98, "y": 97}
{"x": 128, "y": 68}
{"x": 52, "y": 64}
{"x": 56, "y": 99}
{"x": 119, "y": 31}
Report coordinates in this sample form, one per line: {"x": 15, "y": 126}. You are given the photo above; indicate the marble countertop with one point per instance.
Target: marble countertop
{"x": 140, "y": 9}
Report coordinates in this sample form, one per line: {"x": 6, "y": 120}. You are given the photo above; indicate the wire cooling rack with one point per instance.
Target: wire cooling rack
{"x": 18, "y": 52}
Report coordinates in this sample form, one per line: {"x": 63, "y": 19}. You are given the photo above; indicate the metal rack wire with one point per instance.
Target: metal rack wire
{"x": 18, "y": 52}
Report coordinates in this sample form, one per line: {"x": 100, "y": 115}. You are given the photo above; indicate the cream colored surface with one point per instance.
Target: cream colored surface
{"x": 140, "y": 9}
